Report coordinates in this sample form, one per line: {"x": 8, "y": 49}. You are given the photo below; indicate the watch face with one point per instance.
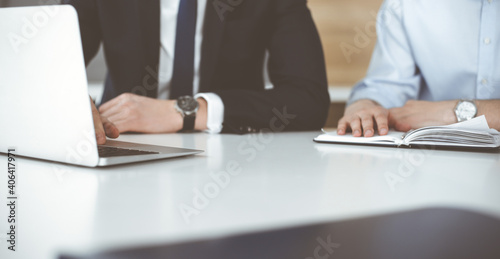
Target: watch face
{"x": 187, "y": 104}
{"x": 466, "y": 110}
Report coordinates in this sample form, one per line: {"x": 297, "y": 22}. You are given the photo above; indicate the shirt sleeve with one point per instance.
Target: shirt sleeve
{"x": 215, "y": 112}
{"x": 393, "y": 77}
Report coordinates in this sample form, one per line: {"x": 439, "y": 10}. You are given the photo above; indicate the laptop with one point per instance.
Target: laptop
{"x": 45, "y": 109}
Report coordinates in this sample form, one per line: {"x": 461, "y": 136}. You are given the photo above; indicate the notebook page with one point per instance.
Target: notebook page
{"x": 478, "y": 123}
{"x": 475, "y": 132}
{"x": 393, "y": 137}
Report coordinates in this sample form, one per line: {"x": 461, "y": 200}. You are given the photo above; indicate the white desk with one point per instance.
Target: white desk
{"x": 286, "y": 181}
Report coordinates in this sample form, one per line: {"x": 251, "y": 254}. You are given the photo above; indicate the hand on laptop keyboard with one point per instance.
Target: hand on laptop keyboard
{"x": 103, "y": 127}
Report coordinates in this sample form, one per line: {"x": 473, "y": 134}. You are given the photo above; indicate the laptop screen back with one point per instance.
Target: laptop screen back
{"x": 44, "y": 103}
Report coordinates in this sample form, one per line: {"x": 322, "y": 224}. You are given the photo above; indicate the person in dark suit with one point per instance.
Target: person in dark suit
{"x": 198, "y": 65}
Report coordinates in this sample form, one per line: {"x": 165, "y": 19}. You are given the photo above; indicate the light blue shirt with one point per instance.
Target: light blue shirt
{"x": 434, "y": 50}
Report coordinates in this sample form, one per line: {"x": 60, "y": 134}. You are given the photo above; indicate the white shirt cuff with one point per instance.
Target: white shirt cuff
{"x": 215, "y": 112}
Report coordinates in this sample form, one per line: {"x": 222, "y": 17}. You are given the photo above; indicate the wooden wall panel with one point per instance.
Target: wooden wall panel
{"x": 337, "y": 22}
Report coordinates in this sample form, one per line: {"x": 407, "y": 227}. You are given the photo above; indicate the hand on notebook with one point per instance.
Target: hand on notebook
{"x": 419, "y": 114}
{"x": 134, "y": 113}
{"x": 363, "y": 118}
{"x": 103, "y": 127}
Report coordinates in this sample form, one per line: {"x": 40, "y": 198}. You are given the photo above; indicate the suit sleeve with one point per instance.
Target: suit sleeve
{"x": 89, "y": 26}
{"x": 299, "y": 99}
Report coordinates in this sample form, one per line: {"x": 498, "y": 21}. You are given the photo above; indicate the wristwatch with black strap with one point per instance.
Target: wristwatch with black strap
{"x": 187, "y": 106}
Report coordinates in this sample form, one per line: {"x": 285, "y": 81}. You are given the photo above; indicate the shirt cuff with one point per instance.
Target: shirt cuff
{"x": 215, "y": 112}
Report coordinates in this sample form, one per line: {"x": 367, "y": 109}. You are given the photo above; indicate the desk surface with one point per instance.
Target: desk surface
{"x": 286, "y": 180}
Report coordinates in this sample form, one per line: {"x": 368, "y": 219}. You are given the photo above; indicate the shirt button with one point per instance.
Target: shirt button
{"x": 484, "y": 81}
{"x": 489, "y": 1}
{"x": 487, "y": 41}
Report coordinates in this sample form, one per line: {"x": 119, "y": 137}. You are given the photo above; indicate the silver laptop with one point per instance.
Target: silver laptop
{"x": 45, "y": 110}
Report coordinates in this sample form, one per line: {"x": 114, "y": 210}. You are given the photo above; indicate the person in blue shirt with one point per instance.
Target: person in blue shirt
{"x": 435, "y": 63}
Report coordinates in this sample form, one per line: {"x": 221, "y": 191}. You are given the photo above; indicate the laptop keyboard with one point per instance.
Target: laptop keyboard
{"x": 105, "y": 151}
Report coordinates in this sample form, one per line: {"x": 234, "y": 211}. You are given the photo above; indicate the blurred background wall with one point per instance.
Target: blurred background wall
{"x": 347, "y": 32}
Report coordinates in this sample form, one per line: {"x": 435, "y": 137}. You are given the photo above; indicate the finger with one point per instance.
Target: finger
{"x": 117, "y": 117}
{"x": 382, "y": 121}
{"x": 122, "y": 126}
{"x": 107, "y": 105}
{"x": 356, "y": 126}
{"x": 117, "y": 101}
{"x": 367, "y": 124}
{"x": 111, "y": 110}
{"x": 100, "y": 135}
{"x": 110, "y": 128}
{"x": 342, "y": 126}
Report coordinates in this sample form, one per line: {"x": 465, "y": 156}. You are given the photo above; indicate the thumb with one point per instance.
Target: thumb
{"x": 98, "y": 127}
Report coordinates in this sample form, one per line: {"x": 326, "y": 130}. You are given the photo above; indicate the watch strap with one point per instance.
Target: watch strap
{"x": 189, "y": 122}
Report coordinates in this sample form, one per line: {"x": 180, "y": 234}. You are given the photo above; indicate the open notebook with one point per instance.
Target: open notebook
{"x": 474, "y": 133}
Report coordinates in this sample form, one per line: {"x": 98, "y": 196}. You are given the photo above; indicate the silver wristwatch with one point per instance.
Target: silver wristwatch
{"x": 465, "y": 110}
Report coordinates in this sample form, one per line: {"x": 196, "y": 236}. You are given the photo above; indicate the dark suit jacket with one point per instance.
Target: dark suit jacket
{"x": 233, "y": 53}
